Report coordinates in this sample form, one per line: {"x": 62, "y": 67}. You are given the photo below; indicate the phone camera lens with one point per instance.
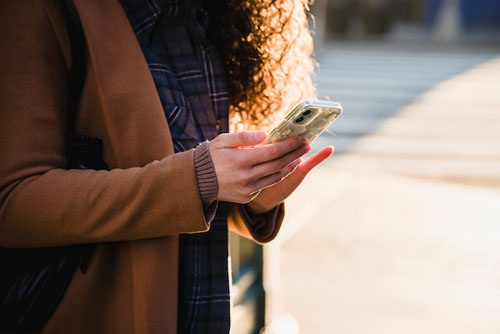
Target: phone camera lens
{"x": 307, "y": 112}
{"x": 300, "y": 119}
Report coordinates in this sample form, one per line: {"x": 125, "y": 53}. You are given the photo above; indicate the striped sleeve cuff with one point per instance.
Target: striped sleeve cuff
{"x": 205, "y": 174}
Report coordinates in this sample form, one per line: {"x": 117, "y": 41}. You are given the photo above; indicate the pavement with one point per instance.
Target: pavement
{"x": 398, "y": 232}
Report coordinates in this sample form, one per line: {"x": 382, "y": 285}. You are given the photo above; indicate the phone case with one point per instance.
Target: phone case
{"x": 308, "y": 119}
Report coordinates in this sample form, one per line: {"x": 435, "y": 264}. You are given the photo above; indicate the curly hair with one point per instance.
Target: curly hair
{"x": 266, "y": 48}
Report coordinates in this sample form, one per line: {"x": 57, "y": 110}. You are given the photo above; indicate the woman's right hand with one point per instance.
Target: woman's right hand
{"x": 243, "y": 169}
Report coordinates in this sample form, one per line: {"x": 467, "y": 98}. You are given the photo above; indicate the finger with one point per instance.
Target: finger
{"x": 271, "y": 167}
{"x": 274, "y": 151}
{"x": 244, "y": 138}
{"x": 298, "y": 175}
{"x": 269, "y": 180}
{"x": 315, "y": 160}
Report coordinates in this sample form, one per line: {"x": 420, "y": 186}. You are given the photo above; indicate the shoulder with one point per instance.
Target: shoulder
{"x": 33, "y": 24}
{"x": 19, "y": 13}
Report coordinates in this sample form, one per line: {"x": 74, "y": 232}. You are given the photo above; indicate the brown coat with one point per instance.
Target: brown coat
{"x": 135, "y": 211}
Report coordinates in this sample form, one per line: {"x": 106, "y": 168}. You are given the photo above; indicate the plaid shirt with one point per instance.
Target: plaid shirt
{"x": 192, "y": 87}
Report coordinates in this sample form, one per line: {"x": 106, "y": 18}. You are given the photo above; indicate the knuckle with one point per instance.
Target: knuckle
{"x": 241, "y": 136}
{"x": 274, "y": 150}
{"x": 244, "y": 181}
{"x": 279, "y": 164}
{"x": 245, "y": 136}
{"x": 252, "y": 161}
{"x": 254, "y": 172}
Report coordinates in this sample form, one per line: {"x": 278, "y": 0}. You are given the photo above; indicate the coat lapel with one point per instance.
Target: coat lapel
{"x": 119, "y": 90}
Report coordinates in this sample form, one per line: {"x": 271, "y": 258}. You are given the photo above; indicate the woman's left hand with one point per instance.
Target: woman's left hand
{"x": 273, "y": 195}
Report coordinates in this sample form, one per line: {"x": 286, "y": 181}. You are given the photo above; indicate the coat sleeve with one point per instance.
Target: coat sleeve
{"x": 261, "y": 228}
{"x": 41, "y": 203}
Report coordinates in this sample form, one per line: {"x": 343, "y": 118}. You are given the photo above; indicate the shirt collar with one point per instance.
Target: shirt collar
{"x": 144, "y": 14}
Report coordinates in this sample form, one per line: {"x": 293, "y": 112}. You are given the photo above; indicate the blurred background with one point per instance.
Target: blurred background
{"x": 399, "y": 231}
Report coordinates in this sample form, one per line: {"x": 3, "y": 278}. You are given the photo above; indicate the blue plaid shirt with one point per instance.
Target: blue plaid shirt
{"x": 192, "y": 87}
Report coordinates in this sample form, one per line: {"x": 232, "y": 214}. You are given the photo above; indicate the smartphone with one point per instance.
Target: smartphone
{"x": 308, "y": 119}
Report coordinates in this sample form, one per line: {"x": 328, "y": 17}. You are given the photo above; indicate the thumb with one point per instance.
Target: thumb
{"x": 315, "y": 160}
{"x": 244, "y": 138}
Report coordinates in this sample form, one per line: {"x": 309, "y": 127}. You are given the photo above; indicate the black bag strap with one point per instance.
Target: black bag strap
{"x": 35, "y": 280}
{"x": 78, "y": 63}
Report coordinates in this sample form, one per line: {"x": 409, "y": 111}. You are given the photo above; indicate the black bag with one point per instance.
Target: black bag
{"x": 34, "y": 280}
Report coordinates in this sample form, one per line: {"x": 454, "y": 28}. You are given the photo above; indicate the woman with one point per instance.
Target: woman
{"x": 156, "y": 94}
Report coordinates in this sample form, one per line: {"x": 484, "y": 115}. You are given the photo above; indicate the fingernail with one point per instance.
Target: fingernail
{"x": 301, "y": 140}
